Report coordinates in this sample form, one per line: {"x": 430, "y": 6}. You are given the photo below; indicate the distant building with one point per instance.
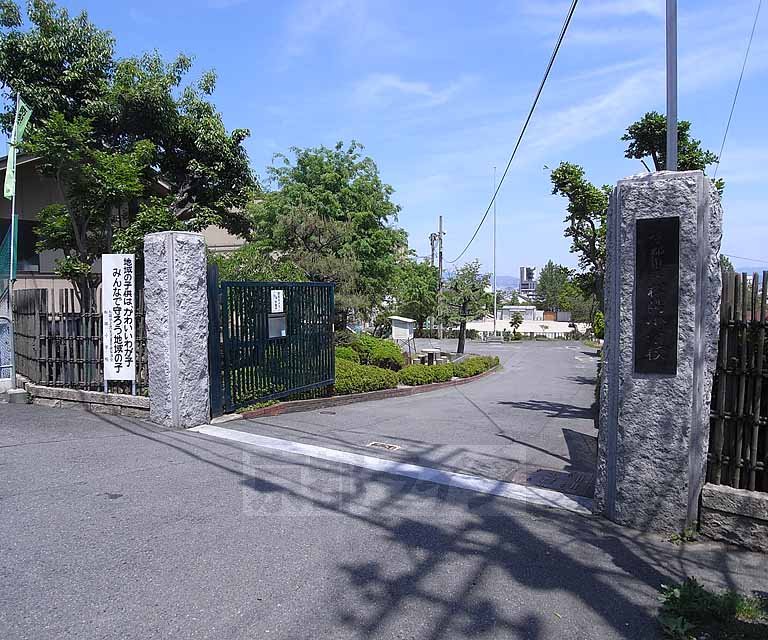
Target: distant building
{"x": 529, "y": 312}
{"x": 528, "y": 281}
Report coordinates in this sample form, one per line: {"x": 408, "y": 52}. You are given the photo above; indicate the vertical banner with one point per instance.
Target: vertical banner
{"x": 118, "y": 316}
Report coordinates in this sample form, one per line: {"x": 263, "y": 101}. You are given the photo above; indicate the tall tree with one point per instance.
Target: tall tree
{"x": 552, "y": 285}
{"x": 92, "y": 184}
{"x": 130, "y": 146}
{"x": 416, "y": 290}
{"x": 587, "y": 204}
{"x": 585, "y": 225}
{"x": 58, "y": 65}
{"x": 331, "y": 211}
{"x": 465, "y": 298}
{"x": 648, "y": 139}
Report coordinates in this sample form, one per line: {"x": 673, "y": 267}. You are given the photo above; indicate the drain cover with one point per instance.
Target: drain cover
{"x": 384, "y": 445}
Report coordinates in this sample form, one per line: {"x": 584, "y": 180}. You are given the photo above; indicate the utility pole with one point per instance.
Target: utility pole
{"x": 440, "y": 277}
{"x": 494, "y": 251}
{"x": 671, "y": 85}
{"x": 432, "y": 243}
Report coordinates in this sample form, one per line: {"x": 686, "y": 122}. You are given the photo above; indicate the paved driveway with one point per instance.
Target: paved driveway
{"x": 530, "y": 423}
{"x": 110, "y": 528}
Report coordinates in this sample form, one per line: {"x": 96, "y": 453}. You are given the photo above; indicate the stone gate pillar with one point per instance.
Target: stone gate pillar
{"x": 177, "y": 328}
{"x": 662, "y": 301}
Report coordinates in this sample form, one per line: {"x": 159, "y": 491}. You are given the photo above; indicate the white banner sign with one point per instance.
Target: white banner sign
{"x": 118, "y": 316}
{"x": 277, "y": 300}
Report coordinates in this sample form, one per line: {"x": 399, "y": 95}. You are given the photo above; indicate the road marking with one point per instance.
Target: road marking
{"x": 478, "y": 484}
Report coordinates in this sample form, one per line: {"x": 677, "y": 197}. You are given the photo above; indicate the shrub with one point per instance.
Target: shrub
{"x": 598, "y": 326}
{"x": 358, "y": 378}
{"x": 347, "y": 353}
{"x": 364, "y": 346}
{"x": 345, "y": 338}
{"x": 418, "y": 374}
{"x": 387, "y": 355}
{"x": 378, "y": 352}
{"x": 474, "y": 365}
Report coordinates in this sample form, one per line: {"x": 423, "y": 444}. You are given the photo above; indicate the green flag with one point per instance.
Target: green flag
{"x": 23, "y": 112}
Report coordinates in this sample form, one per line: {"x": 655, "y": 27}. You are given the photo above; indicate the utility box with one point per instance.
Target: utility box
{"x": 402, "y": 328}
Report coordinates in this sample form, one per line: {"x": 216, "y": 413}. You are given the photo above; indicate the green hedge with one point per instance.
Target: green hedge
{"x": 418, "y": 374}
{"x": 347, "y": 353}
{"x": 474, "y": 365}
{"x": 358, "y": 378}
{"x": 379, "y": 352}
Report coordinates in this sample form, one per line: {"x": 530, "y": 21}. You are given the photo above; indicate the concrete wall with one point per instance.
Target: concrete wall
{"x": 735, "y": 515}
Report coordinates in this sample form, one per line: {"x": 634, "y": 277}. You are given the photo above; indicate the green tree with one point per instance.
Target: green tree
{"x": 551, "y": 287}
{"x": 465, "y": 298}
{"x": 91, "y": 184}
{"x": 726, "y": 264}
{"x": 588, "y": 204}
{"x": 250, "y": 263}
{"x": 648, "y": 139}
{"x": 416, "y": 290}
{"x": 585, "y": 225}
{"x": 331, "y": 212}
{"x": 58, "y": 65}
{"x": 131, "y": 148}
{"x": 515, "y": 320}
{"x": 512, "y": 298}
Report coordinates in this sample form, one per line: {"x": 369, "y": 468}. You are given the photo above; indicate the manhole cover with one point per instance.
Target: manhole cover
{"x": 384, "y": 445}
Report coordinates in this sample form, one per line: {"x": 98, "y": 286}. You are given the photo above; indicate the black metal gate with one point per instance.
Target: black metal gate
{"x": 268, "y": 340}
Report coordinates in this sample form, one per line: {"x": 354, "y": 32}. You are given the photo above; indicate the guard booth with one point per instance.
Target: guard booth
{"x": 268, "y": 340}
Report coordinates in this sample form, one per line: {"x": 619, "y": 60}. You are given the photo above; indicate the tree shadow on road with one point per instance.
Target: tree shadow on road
{"x": 460, "y": 564}
{"x": 553, "y": 409}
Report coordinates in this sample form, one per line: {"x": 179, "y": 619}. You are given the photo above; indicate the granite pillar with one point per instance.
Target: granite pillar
{"x": 662, "y": 299}
{"x": 177, "y": 328}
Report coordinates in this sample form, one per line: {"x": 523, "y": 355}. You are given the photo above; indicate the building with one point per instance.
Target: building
{"x": 528, "y": 281}
{"x": 529, "y": 312}
{"x": 34, "y": 192}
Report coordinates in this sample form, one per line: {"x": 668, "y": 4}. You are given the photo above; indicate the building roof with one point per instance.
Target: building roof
{"x": 401, "y": 319}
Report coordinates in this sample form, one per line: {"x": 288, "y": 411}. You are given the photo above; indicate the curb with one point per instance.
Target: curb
{"x": 295, "y": 406}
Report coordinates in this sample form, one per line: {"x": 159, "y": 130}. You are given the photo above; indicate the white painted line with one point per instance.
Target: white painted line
{"x": 523, "y": 493}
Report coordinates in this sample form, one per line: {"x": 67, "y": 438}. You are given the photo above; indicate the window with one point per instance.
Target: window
{"x": 28, "y": 257}
{"x": 278, "y": 327}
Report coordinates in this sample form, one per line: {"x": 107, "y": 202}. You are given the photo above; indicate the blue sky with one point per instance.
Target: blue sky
{"x": 437, "y": 92}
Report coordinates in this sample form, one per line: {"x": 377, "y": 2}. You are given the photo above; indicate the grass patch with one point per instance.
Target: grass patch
{"x": 592, "y": 344}
{"x": 689, "y": 612}
{"x": 258, "y": 405}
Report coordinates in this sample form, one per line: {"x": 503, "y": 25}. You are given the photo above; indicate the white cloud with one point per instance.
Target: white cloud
{"x": 352, "y": 23}
{"x": 384, "y": 89}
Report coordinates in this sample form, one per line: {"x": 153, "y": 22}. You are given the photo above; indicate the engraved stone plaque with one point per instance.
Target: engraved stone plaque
{"x": 657, "y": 293}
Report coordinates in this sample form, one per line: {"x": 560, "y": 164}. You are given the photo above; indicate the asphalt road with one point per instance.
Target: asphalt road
{"x": 530, "y": 423}
{"x": 112, "y": 529}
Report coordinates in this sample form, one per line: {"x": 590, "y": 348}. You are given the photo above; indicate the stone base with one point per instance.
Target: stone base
{"x": 16, "y": 396}
{"x": 114, "y": 404}
{"x": 736, "y": 516}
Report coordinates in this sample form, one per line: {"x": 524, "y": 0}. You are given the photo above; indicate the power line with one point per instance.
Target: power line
{"x": 730, "y": 255}
{"x": 738, "y": 86}
{"x": 525, "y": 126}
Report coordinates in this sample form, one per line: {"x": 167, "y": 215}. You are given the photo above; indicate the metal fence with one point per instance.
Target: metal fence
{"x": 738, "y": 443}
{"x": 59, "y": 345}
{"x": 258, "y": 353}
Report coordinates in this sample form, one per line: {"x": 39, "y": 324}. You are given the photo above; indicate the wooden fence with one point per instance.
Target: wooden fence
{"x": 59, "y": 345}
{"x": 738, "y": 443}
